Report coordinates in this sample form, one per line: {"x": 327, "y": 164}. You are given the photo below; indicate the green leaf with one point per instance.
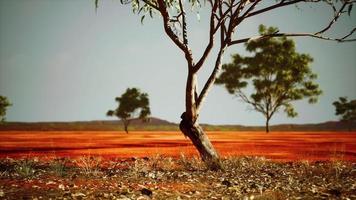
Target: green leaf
{"x": 96, "y": 4}
{"x": 142, "y": 18}
{"x": 349, "y": 9}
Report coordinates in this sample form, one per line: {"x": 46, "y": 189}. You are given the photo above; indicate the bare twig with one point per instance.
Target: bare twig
{"x": 280, "y": 4}
{"x": 336, "y": 17}
{"x": 313, "y": 35}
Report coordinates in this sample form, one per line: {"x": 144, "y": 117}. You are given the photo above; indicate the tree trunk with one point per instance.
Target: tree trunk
{"x": 190, "y": 127}
{"x": 201, "y": 142}
{"x": 126, "y": 125}
{"x": 267, "y": 126}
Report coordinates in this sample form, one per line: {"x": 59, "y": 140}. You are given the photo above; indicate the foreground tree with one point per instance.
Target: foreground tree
{"x": 225, "y": 17}
{"x": 4, "y": 103}
{"x": 278, "y": 73}
{"x": 132, "y": 104}
{"x": 347, "y": 110}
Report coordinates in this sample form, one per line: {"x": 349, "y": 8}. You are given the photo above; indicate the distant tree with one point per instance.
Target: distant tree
{"x": 278, "y": 74}
{"x": 132, "y": 104}
{"x": 347, "y": 110}
{"x": 4, "y": 103}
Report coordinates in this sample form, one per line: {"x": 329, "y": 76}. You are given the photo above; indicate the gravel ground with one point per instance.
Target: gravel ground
{"x": 175, "y": 178}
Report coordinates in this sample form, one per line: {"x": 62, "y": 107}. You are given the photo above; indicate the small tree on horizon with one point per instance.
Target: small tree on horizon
{"x": 4, "y": 103}
{"x": 132, "y": 104}
{"x": 347, "y": 110}
{"x": 279, "y": 75}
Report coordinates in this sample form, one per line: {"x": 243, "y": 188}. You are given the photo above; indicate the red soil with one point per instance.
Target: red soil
{"x": 283, "y": 146}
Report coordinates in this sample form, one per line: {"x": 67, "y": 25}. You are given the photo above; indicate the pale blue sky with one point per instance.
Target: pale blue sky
{"x": 62, "y": 61}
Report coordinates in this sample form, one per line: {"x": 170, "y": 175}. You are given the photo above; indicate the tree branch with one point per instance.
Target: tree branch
{"x": 336, "y": 17}
{"x": 313, "y": 35}
{"x": 210, "y": 82}
{"x": 278, "y": 103}
{"x": 281, "y": 4}
{"x": 244, "y": 98}
{"x": 151, "y": 4}
{"x": 222, "y": 26}
{"x": 222, "y": 19}
{"x": 233, "y": 17}
{"x": 243, "y": 16}
{"x": 211, "y": 38}
{"x": 165, "y": 15}
{"x": 349, "y": 34}
{"x": 184, "y": 24}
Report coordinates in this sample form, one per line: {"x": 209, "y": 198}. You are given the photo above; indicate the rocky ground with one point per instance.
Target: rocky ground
{"x": 174, "y": 178}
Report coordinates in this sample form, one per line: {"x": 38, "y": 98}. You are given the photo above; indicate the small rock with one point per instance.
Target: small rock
{"x": 146, "y": 191}
{"x": 122, "y": 197}
{"x": 335, "y": 192}
{"x": 50, "y": 183}
{"x": 152, "y": 175}
{"x": 78, "y": 194}
{"x": 226, "y": 183}
{"x": 61, "y": 186}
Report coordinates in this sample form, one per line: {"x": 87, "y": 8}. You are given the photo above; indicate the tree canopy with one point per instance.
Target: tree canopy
{"x": 278, "y": 74}
{"x": 346, "y": 108}
{"x": 4, "y": 103}
{"x": 132, "y": 104}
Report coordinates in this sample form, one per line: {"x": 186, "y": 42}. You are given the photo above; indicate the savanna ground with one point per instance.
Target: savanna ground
{"x": 163, "y": 165}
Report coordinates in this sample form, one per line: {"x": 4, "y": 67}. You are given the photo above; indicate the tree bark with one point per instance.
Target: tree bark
{"x": 267, "y": 125}
{"x": 190, "y": 127}
{"x": 201, "y": 142}
{"x": 126, "y": 125}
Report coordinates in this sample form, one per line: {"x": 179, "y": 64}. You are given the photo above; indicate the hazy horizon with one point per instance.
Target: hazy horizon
{"x": 64, "y": 61}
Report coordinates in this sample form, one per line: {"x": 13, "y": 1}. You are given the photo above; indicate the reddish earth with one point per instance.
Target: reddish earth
{"x": 276, "y": 145}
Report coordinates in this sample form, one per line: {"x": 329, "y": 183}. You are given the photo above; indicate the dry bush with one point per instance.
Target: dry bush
{"x": 161, "y": 163}
{"x": 245, "y": 162}
{"x": 58, "y": 166}
{"x": 25, "y": 167}
{"x": 90, "y": 166}
{"x": 190, "y": 164}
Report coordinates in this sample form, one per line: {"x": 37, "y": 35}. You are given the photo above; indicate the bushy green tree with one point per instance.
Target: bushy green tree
{"x": 347, "y": 110}
{"x": 224, "y": 19}
{"x": 132, "y": 104}
{"x": 4, "y": 103}
{"x": 278, "y": 75}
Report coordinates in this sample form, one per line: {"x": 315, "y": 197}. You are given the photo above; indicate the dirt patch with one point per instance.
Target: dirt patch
{"x": 162, "y": 177}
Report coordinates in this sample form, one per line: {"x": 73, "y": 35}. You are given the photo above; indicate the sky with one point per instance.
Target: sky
{"x": 64, "y": 61}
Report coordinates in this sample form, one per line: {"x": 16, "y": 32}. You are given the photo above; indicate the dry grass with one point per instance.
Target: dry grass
{"x": 160, "y": 177}
{"x": 89, "y": 165}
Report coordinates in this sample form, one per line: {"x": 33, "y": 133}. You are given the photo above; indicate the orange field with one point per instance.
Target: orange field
{"x": 284, "y": 146}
